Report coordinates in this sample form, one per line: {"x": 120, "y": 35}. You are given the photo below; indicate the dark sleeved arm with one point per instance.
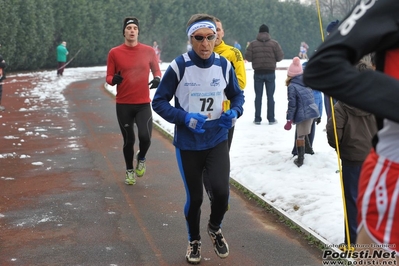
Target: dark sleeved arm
{"x": 164, "y": 94}
{"x": 371, "y": 26}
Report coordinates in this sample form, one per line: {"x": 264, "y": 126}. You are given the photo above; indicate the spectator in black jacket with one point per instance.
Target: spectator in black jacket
{"x": 327, "y": 99}
{"x": 264, "y": 53}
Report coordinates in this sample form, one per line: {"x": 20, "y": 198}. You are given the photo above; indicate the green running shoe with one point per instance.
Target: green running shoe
{"x": 140, "y": 168}
{"x": 130, "y": 177}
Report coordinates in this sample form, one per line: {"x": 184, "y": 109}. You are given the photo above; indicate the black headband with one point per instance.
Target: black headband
{"x": 130, "y": 21}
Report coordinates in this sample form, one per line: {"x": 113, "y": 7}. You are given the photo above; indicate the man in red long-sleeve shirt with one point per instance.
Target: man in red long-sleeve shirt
{"x": 128, "y": 67}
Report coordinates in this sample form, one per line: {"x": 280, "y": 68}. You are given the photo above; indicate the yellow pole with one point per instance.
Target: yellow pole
{"x": 320, "y": 21}
{"x": 336, "y": 144}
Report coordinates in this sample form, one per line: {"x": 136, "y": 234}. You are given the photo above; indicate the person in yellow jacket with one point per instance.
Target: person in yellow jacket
{"x": 237, "y": 61}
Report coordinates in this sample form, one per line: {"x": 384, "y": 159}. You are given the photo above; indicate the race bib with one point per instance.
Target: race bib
{"x": 209, "y": 103}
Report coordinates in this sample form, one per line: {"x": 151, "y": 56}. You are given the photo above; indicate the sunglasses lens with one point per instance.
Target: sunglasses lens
{"x": 198, "y": 37}
{"x": 201, "y": 38}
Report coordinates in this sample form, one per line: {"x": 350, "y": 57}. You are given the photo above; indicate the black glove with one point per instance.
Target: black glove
{"x": 318, "y": 120}
{"x": 154, "y": 83}
{"x": 117, "y": 79}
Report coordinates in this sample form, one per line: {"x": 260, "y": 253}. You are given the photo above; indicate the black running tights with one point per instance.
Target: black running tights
{"x": 127, "y": 115}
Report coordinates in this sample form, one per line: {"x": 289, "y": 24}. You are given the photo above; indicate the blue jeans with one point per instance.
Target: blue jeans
{"x": 269, "y": 81}
{"x": 350, "y": 176}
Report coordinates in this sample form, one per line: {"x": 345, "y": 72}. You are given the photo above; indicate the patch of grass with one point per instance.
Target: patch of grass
{"x": 311, "y": 240}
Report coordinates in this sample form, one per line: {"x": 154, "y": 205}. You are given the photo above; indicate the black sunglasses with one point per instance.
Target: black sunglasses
{"x": 200, "y": 38}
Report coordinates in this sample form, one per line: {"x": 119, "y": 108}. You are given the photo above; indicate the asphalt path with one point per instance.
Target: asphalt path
{"x": 63, "y": 200}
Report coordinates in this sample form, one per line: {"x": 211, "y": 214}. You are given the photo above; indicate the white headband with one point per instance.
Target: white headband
{"x": 199, "y": 25}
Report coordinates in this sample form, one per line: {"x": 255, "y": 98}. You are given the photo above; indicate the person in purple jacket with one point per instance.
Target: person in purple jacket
{"x": 302, "y": 109}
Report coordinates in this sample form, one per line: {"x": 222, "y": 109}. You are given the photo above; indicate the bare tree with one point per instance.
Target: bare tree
{"x": 336, "y": 8}
{"x": 344, "y": 6}
{"x": 327, "y": 7}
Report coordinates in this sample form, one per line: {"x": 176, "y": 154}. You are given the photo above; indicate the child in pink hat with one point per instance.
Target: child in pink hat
{"x": 301, "y": 107}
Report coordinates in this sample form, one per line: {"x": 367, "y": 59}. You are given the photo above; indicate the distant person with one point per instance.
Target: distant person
{"x": 62, "y": 53}
{"x": 201, "y": 128}
{"x": 302, "y": 109}
{"x": 264, "y": 53}
{"x": 355, "y": 130}
{"x": 303, "y": 50}
{"x": 2, "y": 77}
{"x": 157, "y": 51}
{"x": 318, "y": 99}
{"x": 128, "y": 67}
{"x": 237, "y": 45}
{"x": 371, "y": 26}
{"x": 332, "y": 26}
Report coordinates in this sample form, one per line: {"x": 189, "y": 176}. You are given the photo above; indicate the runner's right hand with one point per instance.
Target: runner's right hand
{"x": 117, "y": 79}
{"x": 195, "y": 121}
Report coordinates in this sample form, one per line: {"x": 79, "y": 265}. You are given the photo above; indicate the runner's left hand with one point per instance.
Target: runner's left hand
{"x": 228, "y": 119}
{"x": 154, "y": 83}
